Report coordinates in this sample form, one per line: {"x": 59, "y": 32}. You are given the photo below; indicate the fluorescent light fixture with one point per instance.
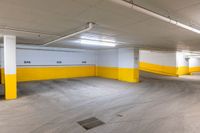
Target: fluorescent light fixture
{"x": 129, "y": 4}
{"x": 97, "y": 43}
{"x": 187, "y": 27}
{"x": 97, "y": 40}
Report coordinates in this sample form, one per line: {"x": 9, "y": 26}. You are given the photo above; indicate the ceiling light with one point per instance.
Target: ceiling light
{"x": 98, "y": 38}
{"x": 188, "y": 27}
{"x": 130, "y": 4}
{"x": 97, "y": 43}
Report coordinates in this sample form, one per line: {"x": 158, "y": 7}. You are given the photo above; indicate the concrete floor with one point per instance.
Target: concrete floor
{"x": 156, "y": 105}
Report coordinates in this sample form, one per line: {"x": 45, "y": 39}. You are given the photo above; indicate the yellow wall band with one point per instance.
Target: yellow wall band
{"x": 194, "y": 69}
{"x": 29, "y": 74}
{"x": 164, "y": 70}
{"x": 184, "y": 70}
{"x": 10, "y": 86}
{"x": 122, "y": 74}
{"x": 46, "y": 73}
{"x": 129, "y": 74}
{"x": 2, "y": 75}
{"x": 158, "y": 69}
{"x": 107, "y": 72}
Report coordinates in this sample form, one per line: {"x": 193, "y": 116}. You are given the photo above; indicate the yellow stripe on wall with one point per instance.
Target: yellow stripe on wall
{"x": 129, "y": 74}
{"x": 184, "y": 70}
{"x": 107, "y": 72}
{"x": 158, "y": 69}
{"x": 164, "y": 70}
{"x": 2, "y": 75}
{"x": 46, "y": 73}
{"x": 123, "y": 74}
{"x": 194, "y": 69}
{"x": 28, "y": 74}
{"x": 11, "y": 86}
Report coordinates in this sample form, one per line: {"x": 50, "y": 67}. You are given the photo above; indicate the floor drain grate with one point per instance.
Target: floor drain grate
{"x": 90, "y": 123}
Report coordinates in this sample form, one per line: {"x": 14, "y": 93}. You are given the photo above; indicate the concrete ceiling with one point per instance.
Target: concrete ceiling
{"x": 40, "y": 21}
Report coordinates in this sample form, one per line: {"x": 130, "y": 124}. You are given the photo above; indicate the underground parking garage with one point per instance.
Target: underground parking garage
{"x": 99, "y": 66}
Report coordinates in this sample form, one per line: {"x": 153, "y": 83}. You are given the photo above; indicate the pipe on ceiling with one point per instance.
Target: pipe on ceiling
{"x": 90, "y": 25}
{"x": 153, "y": 14}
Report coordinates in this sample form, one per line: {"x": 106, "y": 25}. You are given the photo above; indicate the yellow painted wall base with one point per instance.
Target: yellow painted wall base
{"x": 2, "y": 75}
{"x": 122, "y": 74}
{"x": 29, "y": 74}
{"x": 164, "y": 70}
{"x": 158, "y": 69}
{"x": 129, "y": 74}
{"x": 107, "y": 72}
{"x": 194, "y": 69}
{"x": 47, "y": 73}
{"x": 10, "y": 86}
{"x": 183, "y": 70}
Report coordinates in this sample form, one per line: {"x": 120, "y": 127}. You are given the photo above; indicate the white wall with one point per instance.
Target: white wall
{"x": 158, "y": 57}
{"x": 107, "y": 58}
{"x": 122, "y": 57}
{"x": 194, "y": 62}
{"x": 41, "y": 57}
{"x": 49, "y": 57}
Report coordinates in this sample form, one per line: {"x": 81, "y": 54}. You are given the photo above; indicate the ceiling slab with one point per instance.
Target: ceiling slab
{"x": 37, "y": 22}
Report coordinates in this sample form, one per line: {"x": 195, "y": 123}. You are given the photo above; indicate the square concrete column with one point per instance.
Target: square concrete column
{"x": 10, "y": 67}
{"x": 128, "y": 64}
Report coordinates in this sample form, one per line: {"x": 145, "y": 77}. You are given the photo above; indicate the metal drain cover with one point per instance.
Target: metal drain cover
{"x": 90, "y": 123}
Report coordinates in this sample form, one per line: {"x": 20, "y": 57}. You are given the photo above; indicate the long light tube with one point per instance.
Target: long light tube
{"x": 97, "y": 43}
{"x": 90, "y": 25}
{"x": 153, "y": 14}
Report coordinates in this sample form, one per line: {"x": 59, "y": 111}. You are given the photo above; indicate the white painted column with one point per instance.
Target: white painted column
{"x": 10, "y": 67}
{"x": 128, "y": 64}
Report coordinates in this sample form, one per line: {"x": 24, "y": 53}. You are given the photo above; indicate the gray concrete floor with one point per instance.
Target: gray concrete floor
{"x": 156, "y": 105}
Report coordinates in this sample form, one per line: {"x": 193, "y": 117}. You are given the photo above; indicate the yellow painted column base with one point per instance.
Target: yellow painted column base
{"x": 184, "y": 70}
{"x": 129, "y": 75}
{"x": 10, "y": 86}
